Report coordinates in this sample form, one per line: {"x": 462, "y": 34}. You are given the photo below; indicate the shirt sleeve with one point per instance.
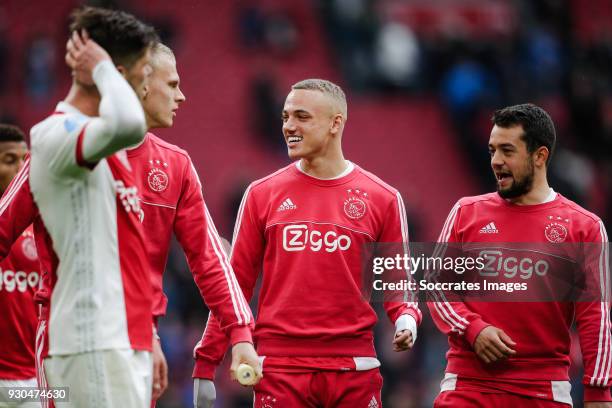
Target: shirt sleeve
{"x": 452, "y": 318}
{"x": 246, "y": 258}
{"x": 593, "y": 318}
{"x": 78, "y": 142}
{"x": 395, "y": 238}
{"x": 208, "y": 261}
{"x": 210, "y": 350}
{"x": 17, "y": 210}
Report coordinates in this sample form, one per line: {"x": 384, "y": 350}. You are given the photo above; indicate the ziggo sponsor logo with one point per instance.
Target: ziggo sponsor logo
{"x": 497, "y": 262}
{"x": 299, "y": 237}
{"x": 10, "y": 280}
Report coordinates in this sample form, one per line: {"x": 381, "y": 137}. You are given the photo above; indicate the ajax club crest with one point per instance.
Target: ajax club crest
{"x": 355, "y": 206}
{"x": 28, "y": 246}
{"x": 157, "y": 178}
{"x": 267, "y": 401}
{"x": 556, "y": 232}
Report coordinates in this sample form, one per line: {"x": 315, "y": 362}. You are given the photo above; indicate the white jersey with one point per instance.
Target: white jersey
{"x": 101, "y": 292}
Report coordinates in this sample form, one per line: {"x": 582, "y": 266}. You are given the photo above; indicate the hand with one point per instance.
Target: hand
{"x": 402, "y": 341}
{"x": 160, "y": 370}
{"x": 599, "y": 404}
{"x": 245, "y": 353}
{"x": 82, "y": 56}
{"x": 204, "y": 393}
{"x": 492, "y": 345}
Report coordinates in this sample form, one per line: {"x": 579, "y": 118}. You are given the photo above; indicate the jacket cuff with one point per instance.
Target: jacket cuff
{"x": 407, "y": 322}
{"x": 241, "y": 334}
{"x": 599, "y": 394}
{"x": 474, "y": 329}
{"x": 411, "y": 312}
{"x": 204, "y": 369}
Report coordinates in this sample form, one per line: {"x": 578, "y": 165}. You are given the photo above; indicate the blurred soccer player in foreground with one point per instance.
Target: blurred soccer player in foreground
{"x": 172, "y": 201}
{"x": 307, "y": 225}
{"x": 19, "y": 280}
{"x": 100, "y": 333}
{"x": 516, "y": 354}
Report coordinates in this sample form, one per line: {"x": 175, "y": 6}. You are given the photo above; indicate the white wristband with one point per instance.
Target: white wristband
{"x": 406, "y": 322}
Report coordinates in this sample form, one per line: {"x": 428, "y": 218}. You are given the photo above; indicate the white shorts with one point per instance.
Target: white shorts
{"x": 103, "y": 379}
{"x": 9, "y": 401}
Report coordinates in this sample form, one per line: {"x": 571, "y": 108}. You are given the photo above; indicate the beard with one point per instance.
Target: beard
{"x": 520, "y": 185}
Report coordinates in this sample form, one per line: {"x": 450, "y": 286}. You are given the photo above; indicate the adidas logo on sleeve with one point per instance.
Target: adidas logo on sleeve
{"x": 287, "y": 205}
{"x": 490, "y": 228}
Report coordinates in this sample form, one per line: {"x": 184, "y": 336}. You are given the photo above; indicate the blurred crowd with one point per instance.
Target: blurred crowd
{"x": 481, "y": 55}
{"x": 472, "y": 55}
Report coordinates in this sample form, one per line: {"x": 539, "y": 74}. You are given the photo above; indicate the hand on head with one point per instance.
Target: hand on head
{"x": 82, "y": 56}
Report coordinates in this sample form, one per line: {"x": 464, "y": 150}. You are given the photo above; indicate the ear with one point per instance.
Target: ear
{"x": 145, "y": 91}
{"x": 122, "y": 70}
{"x": 337, "y": 123}
{"x": 540, "y": 156}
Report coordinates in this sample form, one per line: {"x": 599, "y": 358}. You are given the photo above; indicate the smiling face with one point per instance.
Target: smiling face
{"x": 512, "y": 164}
{"x": 311, "y": 121}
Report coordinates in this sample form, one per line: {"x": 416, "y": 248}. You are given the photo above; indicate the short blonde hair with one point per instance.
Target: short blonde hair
{"x": 327, "y": 88}
{"x": 158, "y": 50}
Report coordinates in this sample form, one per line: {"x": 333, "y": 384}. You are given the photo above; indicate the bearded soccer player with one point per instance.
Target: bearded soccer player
{"x": 307, "y": 224}
{"x": 172, "y": 201}
{"x": 516, "y": 354}
{"x": 19, "y": 280}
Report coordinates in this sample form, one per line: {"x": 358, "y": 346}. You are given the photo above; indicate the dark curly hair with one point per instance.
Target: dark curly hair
{"x": 10, "y": 133}
{"x": 538, "y": 127}
{"x": 122, "y": 35}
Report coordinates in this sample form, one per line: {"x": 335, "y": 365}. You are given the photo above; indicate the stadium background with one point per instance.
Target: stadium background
{"x": 422, "y": 78}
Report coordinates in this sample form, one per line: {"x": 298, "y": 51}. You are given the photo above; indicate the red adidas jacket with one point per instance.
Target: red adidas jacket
{"x": 540, "y": 329}
{"x": 308, "y": 236}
